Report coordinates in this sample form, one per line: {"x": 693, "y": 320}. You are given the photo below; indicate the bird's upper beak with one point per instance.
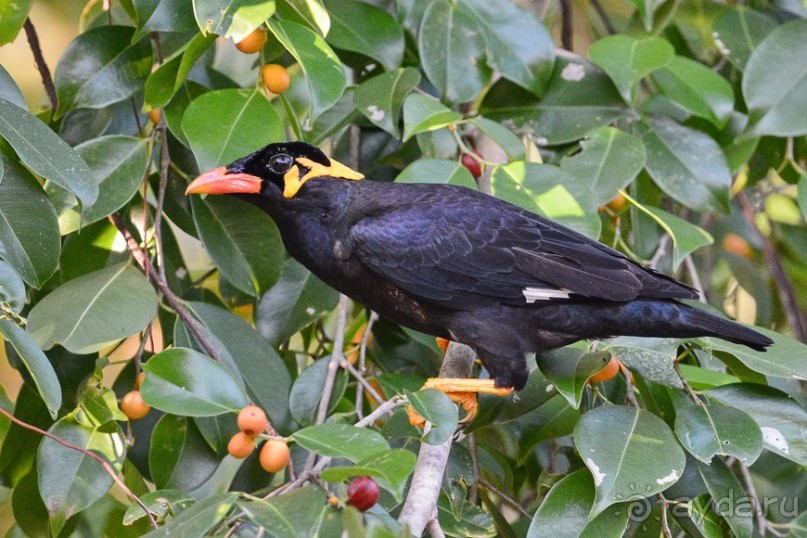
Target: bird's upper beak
{"x": 220, "y": 181}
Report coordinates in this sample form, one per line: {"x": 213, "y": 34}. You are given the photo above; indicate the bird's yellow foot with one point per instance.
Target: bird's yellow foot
{"x": 461, "y": 391}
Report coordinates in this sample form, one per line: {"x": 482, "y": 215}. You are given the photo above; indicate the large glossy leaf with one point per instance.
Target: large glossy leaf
{"x": 29, "y": 232}
{"x": 775, "y": 82}
{"x": 225, "y": 125}
{"x": 185, "y": 382}
{"x": 391, "y": 469}
{"x": 437, "y": 171}
{"x": 550, "y": 192}
{"x": 161, "y": 503}
{"x": 323, "y": 71}
{"x": 568, "y": 368}
{"x": 614, "y": 442}
{"x": 783, "y": 359}
{"x": 101, "y": 67}
{"x": 13, "y": 15}
{"x": 380, "y": 98}
{"x": 450, "y": 46}
{"x": 360, "y": 27}
{"x": 200, "y": 518}
{"x": 782, "y": 420}
{"x": 697, "y": 88}
{"x": 163, "y": 16}
{"x": 565, "y": 510}
{"x": 723, "y": 485}
{"x": 234, "y": 19}
{"x": 69, "y": 480}
{"x": 242, "y": 240}
{"x": 498, "y": 410}
{"x": 302, "y": 512}
{"x": 179, "y": 457}
{"x": 35, "y": 361}
{"x": 710, "y": 430}
{"x": 422, "y": 114}
{"x": 306, "y": 391}
{"x": 741, "y": 30}
{"x": 296, "y": 300}
{"x": 628, "y": 60}
{"x": 312, "y": 13}
{"x": 12, "y": 288}
{"x": 610, "y": 159}
{"x": 94, "y": 310}
{"x": 506, "y": 139}
{"x": 9, "y": 89}
{"x": 46, "y": 153}
{"x": 439, "y": 410}
{"x": 652, "y": 358}
{"x": 341, "y": 441}
{"x": 518, "y": 45}
{"x": 687, "y": 164}
{"x": 166, "y": 81}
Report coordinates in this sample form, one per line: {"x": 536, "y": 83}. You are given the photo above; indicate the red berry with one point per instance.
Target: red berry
{"x": 362, "y": 493}
{"x": 472, "y": 165}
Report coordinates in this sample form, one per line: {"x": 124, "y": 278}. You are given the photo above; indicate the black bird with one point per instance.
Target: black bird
{"x": 459, "y": 264}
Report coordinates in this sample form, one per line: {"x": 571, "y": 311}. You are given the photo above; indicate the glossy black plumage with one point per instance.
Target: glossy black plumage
{"x": 455, "y": 263}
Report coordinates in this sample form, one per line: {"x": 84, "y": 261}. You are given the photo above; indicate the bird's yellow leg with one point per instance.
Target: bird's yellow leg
{"x": 462, "y": 391}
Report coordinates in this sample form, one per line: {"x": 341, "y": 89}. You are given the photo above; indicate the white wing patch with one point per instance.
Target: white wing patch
{"x": 544, "y": 294}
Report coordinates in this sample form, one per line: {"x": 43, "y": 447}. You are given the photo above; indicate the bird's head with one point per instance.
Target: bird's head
{"x": 283, "y": 167}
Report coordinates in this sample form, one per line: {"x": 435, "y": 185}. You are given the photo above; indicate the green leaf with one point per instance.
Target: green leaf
{"x": 244, "y": 122}
{"x": 565, "y": 510}
{"x": 450, "y": 46}
{"x": 29, "y": 232}
{"x": 609, "y": 160}
{"x": 35, "y": 362}
{"x": 723, "y": 486}
{"x": 391, "y": 469}
{"x": 12, "y": 289}
{"x": 118, "y": 164}
{"x": 568, "y": 368}
{"x": 322, "y": 69}
{"x": 782, "y": 420}
{"x": 163, "y": 16}
{"x": 381, "y": 97}
{"x": 92, "y": 311}
{"x": 422, "y": 114}
{"x": 647, "y": 10}
{"x": 166, "y": 81}
{"x": 160, "y": 503}
{"x": 502, "y": 136}
{"x": 69, "y": 480}
{"x": 652, "y": 358}
{"x": 234, "y": 19}
{"x": 518, "y": 45}
{"x": 366, "y": 29}
{"x": 179, "y": 457}
{"x": 341, "y": 441}
{"x": 686, "y": 164}
{"x": 101, "y": 67}
{"x": 9, "y": 89}
{"x": 783, "y": 359}
{"x": 550, "y": 192}
{"x": 46, "y": 153}
{"x": 498, "y": 410}
{"x": 741, "y": 30}
{"x": 710, "y": 430}
{"x": 199, "y": 519}
{"x": 185, "y": 382}
{"x": 802, "y": 196}
{"x": 243, "y": 241}
{"x": 628, "y": 60}
{"x": 307, "y": 391}
{"x": 437, "y": 171}
{"x": 697, "y": 88}
{"x": 439, "y": 410}
{"x": 775, "y": 83}
{"x": 13, "y": 14}
{"x": 614, "y": 442}
{"x": 302, "y": 512}
{"x": 296, "y": 300}
{"x": 310, "y": 12}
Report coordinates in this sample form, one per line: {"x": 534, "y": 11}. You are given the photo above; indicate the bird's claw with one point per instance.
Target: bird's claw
{"x": 461, "y": 391}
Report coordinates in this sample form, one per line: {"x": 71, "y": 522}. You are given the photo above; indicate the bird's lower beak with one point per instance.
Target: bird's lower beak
{"x": 219, "y": 181}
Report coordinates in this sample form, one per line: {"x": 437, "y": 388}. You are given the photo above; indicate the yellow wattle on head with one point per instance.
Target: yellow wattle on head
{"x": 294, "y": 179}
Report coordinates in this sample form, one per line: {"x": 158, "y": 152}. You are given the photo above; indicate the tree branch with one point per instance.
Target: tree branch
{"x": 39, "y": 60}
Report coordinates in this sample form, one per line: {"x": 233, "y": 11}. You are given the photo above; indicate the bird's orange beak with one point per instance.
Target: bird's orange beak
{"x": 219, "y": 181}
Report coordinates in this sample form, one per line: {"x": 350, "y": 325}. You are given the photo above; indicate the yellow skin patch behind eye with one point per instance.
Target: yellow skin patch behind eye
{"x": 294, "y": 179}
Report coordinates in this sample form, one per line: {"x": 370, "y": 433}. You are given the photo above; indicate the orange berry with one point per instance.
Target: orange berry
{"x": 737, "y": 245}
{"x": 275, "y": 78}
{"x": 154, "y": 115}
{"x": 139, "y": 380}
{"x": 618, "y": 203}
{"x": 252, "y": 420}
{"x": 241, "y": 445}
{"x": 274, "y": 456}
{"x": 253, "y": 43}
{"x": 133, "y": 405}
{"x": 607, "y": 372}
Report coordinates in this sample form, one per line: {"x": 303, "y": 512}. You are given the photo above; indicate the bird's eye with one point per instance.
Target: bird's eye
{"x": 280, "y": 164}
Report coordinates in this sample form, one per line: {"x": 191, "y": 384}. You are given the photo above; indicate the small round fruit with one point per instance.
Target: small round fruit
{"x": 139, "y": 380}
{"x": 154, "y": 115}
{"x": 274, "y": 456}
{"x": 253, "y": 43}
{"x": 607, "y": 372}
{"x": 737, "y": 245}
{"x": 362, "y": 493}
{"x": 471, "y": 164}
{"x": 618, "y": 203}
{"x": 252, "y": 420}
{"x": 275, "y": 78}
{"x": 133, "y": 405}
{"x": 241, "y": 445}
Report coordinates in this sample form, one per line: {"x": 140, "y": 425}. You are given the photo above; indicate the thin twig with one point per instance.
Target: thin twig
{"x": 603, "y": 15}
{"x": 692, "y": 394}
{"x": 362, "y": 369}
{"x": 752, "y": 491}
{"x": 473, "y": 495}
{"x": 566, "y": 25}
{"x": 695, "y": 278}
{"x": 505, "y": 497}
{"x": 165, "y": 159}
{"x": 362, "y": 381}
{"x": 660, "y": 251}
{"x": 39, "y": 60}
{"x": 665, "y": 525}
{"x": 107, "y": 467}
{"x": 434, "y": 528}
